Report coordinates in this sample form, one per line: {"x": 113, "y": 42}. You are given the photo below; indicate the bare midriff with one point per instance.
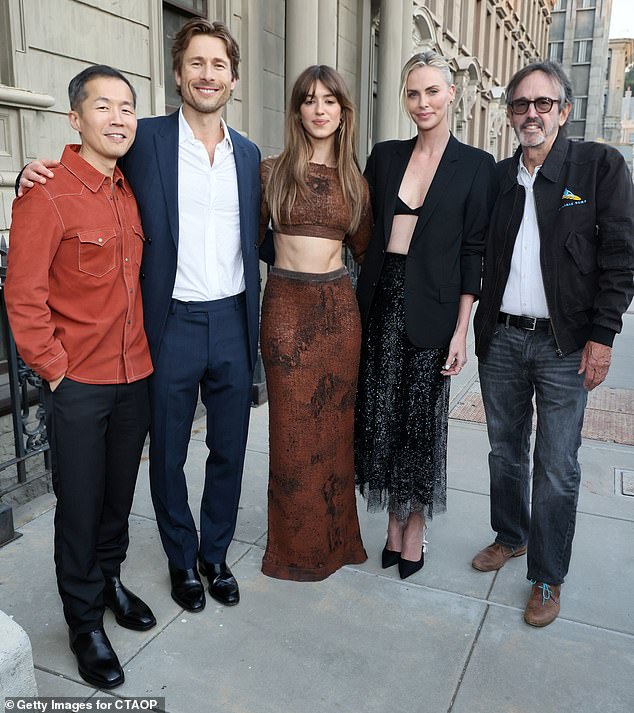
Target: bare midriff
{"x": 401, "y": 235}
{"x": 306, "y": 253}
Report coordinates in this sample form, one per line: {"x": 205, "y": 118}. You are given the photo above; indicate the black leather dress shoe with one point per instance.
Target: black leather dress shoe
{"x": 96, "y": 660}
{"x": 222, "y": 584}
{"x": 187, "y": 589}
{"x": 129, "y": 610}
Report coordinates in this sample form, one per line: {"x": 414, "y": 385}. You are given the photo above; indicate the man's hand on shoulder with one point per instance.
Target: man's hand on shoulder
{"x": 36, "y": 172}
{"x": 595, "y": 362}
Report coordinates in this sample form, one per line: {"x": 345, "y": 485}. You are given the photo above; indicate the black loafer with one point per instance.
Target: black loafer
{"x": 96, "y": 660}
{"x": 187, "y": 589}
{"x": 129, "y": 610}
{"x": 222, "y": 584}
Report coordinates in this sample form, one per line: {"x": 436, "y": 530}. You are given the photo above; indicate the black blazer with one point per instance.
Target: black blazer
{"x": 445, "y": 255}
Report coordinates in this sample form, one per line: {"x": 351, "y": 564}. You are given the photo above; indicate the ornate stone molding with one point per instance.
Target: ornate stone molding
{"x": 8, "y": 178}
{"x": 468, "y": 81}
{"x": 424, "y": 30}
{"x": 12, "y": 96}
{"x": 497, "y": 115}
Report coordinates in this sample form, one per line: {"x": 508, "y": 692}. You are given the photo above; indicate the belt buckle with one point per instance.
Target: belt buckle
{"x": 533, "y": 323}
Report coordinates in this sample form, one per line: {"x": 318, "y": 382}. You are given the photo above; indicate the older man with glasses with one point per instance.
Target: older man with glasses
{"x": 557, "y": 280}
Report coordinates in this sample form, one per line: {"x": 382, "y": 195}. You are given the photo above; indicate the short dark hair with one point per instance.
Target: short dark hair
{"x": 77, "y": 86}
{"x": 200, "y": 26}
{"x": 553, "y": 69}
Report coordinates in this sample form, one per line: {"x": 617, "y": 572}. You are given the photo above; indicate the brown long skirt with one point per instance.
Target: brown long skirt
{"x": 311, "y": 339}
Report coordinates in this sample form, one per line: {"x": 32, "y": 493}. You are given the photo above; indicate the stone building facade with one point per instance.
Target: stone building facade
{"x": 626, "y": 135}
{"x": 617, "y": 105}
{"x": 43, "y": 43}
{"x": 579, "y": 37}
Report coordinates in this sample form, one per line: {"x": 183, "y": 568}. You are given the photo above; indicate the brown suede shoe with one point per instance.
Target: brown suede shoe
{"x": 543, "y": 604}
{"x": 495, "y": 556}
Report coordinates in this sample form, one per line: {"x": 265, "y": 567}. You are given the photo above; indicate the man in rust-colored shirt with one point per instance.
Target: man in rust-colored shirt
{"x": 74, "y": 305}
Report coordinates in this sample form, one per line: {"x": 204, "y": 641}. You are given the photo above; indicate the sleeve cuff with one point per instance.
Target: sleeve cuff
{"x": 602, "y": 335}
{"x": 54, "y": 368}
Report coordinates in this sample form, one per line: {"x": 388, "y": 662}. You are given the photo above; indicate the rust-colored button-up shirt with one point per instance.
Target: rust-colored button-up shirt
{"x": 72, "y": 288}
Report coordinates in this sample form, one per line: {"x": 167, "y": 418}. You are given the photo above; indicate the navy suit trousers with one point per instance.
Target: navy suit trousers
{"x": 204, "y": 347}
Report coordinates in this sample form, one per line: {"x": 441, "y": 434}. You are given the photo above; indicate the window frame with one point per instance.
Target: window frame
{"x": 180, "y": 8}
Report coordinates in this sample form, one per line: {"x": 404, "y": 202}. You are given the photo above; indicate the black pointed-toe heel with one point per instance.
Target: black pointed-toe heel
{"x": 406, "y": 568}
{"x": 389, "y": 558}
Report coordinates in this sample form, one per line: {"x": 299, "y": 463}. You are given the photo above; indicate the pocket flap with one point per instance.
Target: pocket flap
{"x": 138, "y": 232}
{"x": 583, "y": 251}
{"x": 451, "y": 293}
{"x": 97, "y": 237}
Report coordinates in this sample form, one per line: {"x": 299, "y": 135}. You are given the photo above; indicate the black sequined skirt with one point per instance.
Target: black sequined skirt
{"x": 401, "y": 411}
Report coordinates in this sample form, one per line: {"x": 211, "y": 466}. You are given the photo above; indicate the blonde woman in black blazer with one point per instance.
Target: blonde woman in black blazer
{"x": 431, "y": 198}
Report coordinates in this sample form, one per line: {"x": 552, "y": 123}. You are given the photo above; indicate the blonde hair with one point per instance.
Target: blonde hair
{"x": 423, "y": 59}
{"x": 290, "y": 172}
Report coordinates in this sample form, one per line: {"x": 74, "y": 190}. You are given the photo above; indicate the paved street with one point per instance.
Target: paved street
{"x": 449, "y": 639}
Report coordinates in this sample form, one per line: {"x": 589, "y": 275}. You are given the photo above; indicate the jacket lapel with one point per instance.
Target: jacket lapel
{"x": 166, "y": 144}
{"x": 439, "y": 187}
{"x": 395, "y": 173}
{"x": 245, "y": 189}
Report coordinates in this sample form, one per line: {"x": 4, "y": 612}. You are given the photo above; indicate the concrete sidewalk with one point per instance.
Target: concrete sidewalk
{"x": 449, "y": 639}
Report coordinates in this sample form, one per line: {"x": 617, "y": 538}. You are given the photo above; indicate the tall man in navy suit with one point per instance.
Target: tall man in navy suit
{"x": 197, "y": 185}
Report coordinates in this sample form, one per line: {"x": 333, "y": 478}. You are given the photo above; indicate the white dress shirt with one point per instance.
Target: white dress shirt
{"x": 209, "y": 265}
{"x": 524, "y": 293}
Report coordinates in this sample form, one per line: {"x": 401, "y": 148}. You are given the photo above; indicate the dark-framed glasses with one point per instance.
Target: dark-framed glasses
{"x": 542, "y": 105}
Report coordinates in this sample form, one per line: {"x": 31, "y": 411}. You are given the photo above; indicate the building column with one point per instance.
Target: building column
{"x": 253, "y": 97}
{"x": 302, "y": 32}
{"x": 327, "y": 33}
{"x": 406, "y": 125}
{"x": 157, "y": 69}
{"x": 391, "y": 48}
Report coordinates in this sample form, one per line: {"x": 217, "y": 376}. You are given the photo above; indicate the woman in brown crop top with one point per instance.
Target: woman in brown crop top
{"x": 314, "y": 198}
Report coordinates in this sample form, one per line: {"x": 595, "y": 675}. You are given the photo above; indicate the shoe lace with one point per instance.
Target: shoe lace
{"x": 547, "y": 592}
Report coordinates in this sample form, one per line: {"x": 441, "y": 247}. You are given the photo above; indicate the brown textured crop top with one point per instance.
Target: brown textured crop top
{"x": 323, "y": 214}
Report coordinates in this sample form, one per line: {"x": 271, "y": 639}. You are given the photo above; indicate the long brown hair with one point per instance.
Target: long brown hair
{"x": 290, "y": 172}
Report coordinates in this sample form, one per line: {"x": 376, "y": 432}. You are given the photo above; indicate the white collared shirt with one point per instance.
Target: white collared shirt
{"x": 209, "y": 265}
{"x": 524, "y": 293}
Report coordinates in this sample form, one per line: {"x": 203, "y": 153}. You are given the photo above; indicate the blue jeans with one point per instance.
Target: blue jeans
{"x": 521, "y": 363}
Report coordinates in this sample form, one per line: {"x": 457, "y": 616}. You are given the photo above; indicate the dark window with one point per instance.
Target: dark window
{"x": 580, "y": 109}
{"x": 556, "y": 51}
{"x": 6, "y": 46}
{"x": 175, "y": 15}
{"x": 581, "y": 51}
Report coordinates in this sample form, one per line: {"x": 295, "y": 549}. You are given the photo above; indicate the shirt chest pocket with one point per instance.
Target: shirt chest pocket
{"x": 97, "y": 251}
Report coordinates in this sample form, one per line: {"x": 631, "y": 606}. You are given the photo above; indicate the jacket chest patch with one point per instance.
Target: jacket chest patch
{"x": 571, "y": 199}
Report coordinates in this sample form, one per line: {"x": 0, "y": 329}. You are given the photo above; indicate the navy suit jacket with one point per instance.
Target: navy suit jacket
{"x": 151, "y": 167}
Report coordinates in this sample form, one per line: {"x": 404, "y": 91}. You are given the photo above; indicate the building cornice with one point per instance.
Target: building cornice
{"x": 12, "y": 96}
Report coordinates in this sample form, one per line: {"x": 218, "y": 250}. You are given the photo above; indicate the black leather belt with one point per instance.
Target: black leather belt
{"x": 523, "y": 322}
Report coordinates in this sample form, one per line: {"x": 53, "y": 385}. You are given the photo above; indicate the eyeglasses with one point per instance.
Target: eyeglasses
{"x": 542, "y": 105}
